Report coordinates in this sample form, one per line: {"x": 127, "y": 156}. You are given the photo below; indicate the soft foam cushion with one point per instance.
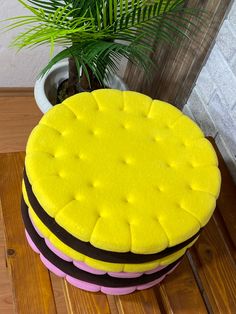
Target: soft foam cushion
{"x": 94, "y": 287}
{"x": 91, "y": 270}
{"x": 85, "y": 267}
{"x": 63, "y": 268}
{"x": 123, "y": 171}
{"x": 86, "y": 247}
{"x": 91, "y": 262}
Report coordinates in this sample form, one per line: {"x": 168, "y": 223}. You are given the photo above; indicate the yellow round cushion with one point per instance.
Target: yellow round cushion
{"x": 98, "y": 264}
{"x": 123, "y": 171}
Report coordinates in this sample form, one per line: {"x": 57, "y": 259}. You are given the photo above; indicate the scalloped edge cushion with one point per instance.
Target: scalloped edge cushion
{"x": 93, "y": 263}
{"x": 86, "y": 247}
{"x": 89, "y": 286}
{"x": 126, "y": 153}
{"x": 84, "y": 267}
{"x": 91, "y": 270}
{"x": 63, "y": 268}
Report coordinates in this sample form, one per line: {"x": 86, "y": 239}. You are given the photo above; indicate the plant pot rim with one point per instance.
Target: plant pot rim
{"x": 40, "y": 95}
{"x": 46, "y": 85}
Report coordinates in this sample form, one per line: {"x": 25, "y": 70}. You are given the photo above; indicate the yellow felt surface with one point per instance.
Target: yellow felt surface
{"x": 123, "y": 171}
{"x": 113, "y": 267}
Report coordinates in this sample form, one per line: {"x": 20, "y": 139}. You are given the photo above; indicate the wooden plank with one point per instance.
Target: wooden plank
{"x": 32, "y": 291}
{"x": 18, "y": 116}
{"x": 178, "y": 66}
{"x": 226, "y": 201}
{"x": 180, "y": 293}
{"x": 216, "y": 269}
{"x": 112, "y": 304}
{"x": 6, "y": 299}
{"x": 16, "y": 91}
{"x": 58, "y": 291}
{"x": 83, "y": 302}
{"x": 139, "y": 302}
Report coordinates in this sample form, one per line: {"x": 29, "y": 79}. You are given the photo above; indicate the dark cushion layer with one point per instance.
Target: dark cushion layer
{"x": 86, "y": 247}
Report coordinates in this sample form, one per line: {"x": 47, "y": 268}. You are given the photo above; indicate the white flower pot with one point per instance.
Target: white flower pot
{"x": 45, "y": 89}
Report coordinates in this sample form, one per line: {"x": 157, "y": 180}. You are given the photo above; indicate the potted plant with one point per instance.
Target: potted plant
{"x": 94, "y": 36}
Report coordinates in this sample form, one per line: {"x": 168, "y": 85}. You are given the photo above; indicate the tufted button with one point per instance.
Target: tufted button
{"x": 128, "y": 199}
{"x": 180, "y": 205}
{"x": 172, "y": 165}
{"x": 167, "y": 164}
{"x": 94, "y": 132}
{"x": 191, "y": 187}
{"x": 61, "y": 174}
{"x": 94, "y": 184}
{"x": 79, "y": 197}
{"x": 160, "y": 188}
{"x": 51, "y": 155}
{"x": 166, "y": 126}
{"x": 125, "y": 126}
{"x": 145, "y": 115}
{"x": 185, "y": 144}
{"x": 63, "y": 133}
{"x": 127, "y": 161}
{"x": 156, "y": 139}
{"x": 194, "y": 165}
{"x": 122, "y": 109}
{"x": 80, "y": 156}
{"x": 101, "y": 214}
{"x": 78, "y": 117}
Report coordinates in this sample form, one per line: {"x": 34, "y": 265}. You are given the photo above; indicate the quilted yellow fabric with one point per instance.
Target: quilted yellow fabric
{"x": 123, "y": 171}
{"x": 97, "y": 264}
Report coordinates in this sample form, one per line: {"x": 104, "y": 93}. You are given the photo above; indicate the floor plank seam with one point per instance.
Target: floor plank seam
{"x": 199, "y": 284}
{"x": 225, "y": 235}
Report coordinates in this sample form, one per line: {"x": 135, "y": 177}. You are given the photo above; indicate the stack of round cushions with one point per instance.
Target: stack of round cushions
{"x": 116, "y": 188}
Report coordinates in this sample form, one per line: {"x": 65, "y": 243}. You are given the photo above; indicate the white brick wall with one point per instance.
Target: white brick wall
{"x": 212, "y": 102}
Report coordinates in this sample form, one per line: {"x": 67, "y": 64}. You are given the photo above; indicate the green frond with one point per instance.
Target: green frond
{"x": 87, "y": 30}
{"x": 51, "y": 28}
{"x": 102, "y": 57}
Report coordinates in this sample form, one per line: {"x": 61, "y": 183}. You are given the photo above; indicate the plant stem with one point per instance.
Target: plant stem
{"x": 84, "y": 83}
{"x": 73, "y": 77}
{"x": 75, "y": 85}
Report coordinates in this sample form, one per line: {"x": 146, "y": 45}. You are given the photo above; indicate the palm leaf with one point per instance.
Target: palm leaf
{"x": 87, "y": 29}
{"x": 102, "y": 57}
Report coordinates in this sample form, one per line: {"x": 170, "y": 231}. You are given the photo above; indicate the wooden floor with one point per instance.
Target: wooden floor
{"x": 205, "y": 282}
{"x": 18, "y": 115}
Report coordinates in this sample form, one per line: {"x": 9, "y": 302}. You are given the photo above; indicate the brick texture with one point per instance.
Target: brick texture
{"x": 201, "y": 114}
{"x": 232, "y": 14}
{"x": 205, "y": 85}
{"x": 222, "y": 75}
{"x": 226, "y": 41}
{"x": 212, "y": 102}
